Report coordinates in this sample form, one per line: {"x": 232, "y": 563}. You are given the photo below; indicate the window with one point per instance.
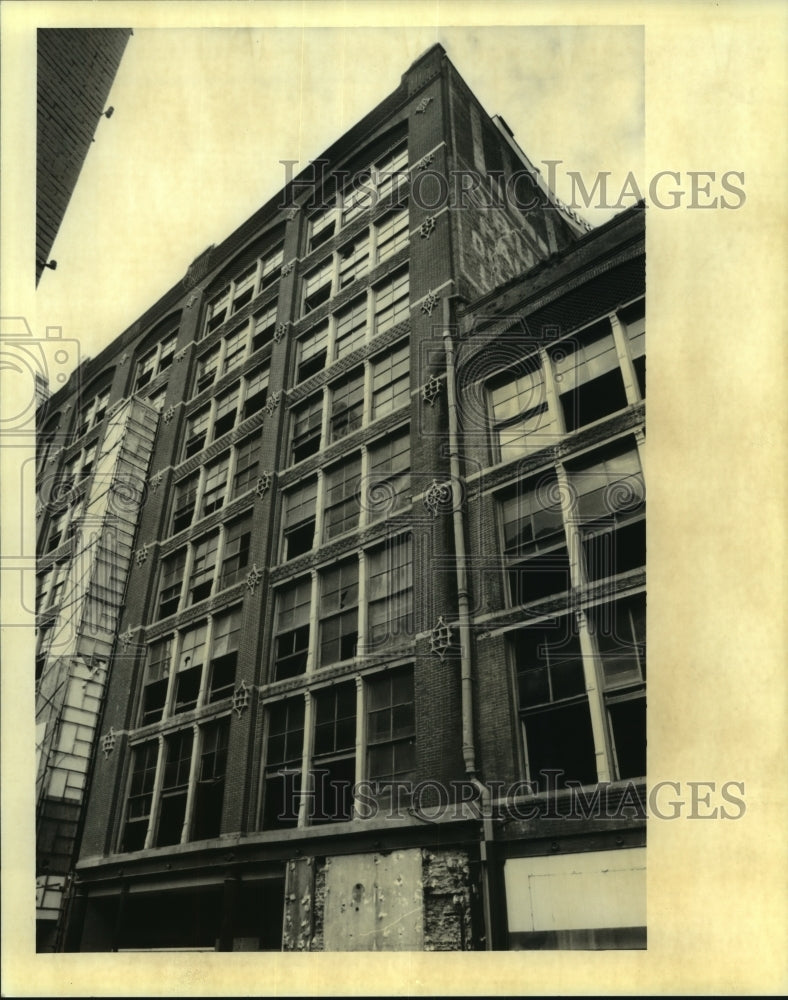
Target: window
{"x": 155, "y": 361}
{"x": 347, "y": 405}
{"x": 534, "y": 541}
{"x": 321, "y": 228}
{"x": 246, "y": 464}
{"x": 171, "y": 583}
{"x": 391, "y": 172}
{"x": 522, "y": 421}
{"x": 391, "y": 302}
{"x": 391, "y": 728}
{"x": 588, "y": 376}
{"x": 334, "y": 756}
{"x": 353, "y": 260}
{"x": 185, "y": 499}
{"x": 191, "y": 660}
{"x": 391, "y": 382}
{"x": 312, "y": 353}
{"x": 175, "y": 787}
{"x": 610, "y": 507}
{"x": 634, "y": 319}
{"x": 357, "y": 196}
{"x": 196, "y": 432}
{"x": 236, "y": 551}
{"x": 339, "y": 612}
{"x": 234, "y": 350}
{"x": 307, "y": 422}
{"x": 272, "y": 266}
{"x": 212, "y": 768}
{"x": 299, "y": 519}
{"x": 390, "y": 592}
{"x": 263, "y": 326}
{"x": 157, "y": 673}
{"x": 226, "y": 411}
{"x": 216, "y": 311}
{"x": 284, "y": 748}
{"x": 291, "y": 644}
{"x": 203, "y": 569}
{"x": 256, "y": 391}
{"x": 391, "y": 234}
{"x": 224, "y": 654}
{"x": 389, "y": 475}
{"x": 143, "y": 774}
{"x": 351, "y": 327}
{"x": 93, "y": 412}
{"x": 342, "y": 502}
{"x": 243, "y": 288}
{"x": 207, "y": 366}
{"x": 553, "y": 703}
{"x": 317, "y": 286}
{"x": 240, "y": 292}
{"x": 88, "y": 458}
{"x": 215, "y": 486}
{"x": 619, "y": 630}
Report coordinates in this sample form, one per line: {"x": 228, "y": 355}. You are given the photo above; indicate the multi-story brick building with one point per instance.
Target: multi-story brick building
{"x": 76, "y": 68}
{"x": 341, "y": 640}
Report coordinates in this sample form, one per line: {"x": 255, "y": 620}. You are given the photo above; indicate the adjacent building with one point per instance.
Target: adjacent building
{"x": 76, "y": 68}
{"x": 341, "y": 632}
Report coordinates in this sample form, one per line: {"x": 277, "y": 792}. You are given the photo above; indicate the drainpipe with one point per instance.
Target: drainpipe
{"x": 466, "y": 677}
{"x": 463, "y": 611}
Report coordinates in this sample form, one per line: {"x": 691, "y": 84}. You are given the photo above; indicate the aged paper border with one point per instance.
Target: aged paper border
{"x": 717, "y": 904}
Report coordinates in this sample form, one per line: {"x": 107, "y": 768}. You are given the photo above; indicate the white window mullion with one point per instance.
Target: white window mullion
{"x": 624, "y": 360}
{"x": 306, "y": 757}
{"x": 314, "y": 623}
{"x": 194, "y": 765}
{"x": 360, "y": 739}
{"x": 592, "y": 672}
{"x": 363, "y": 616}
{"x": 158, "y": 781}
{"x": 551, "y": 392}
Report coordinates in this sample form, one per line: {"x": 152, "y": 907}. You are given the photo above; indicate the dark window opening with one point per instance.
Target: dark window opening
{"x": 317, "y": 298}
{"x": 311, "y": 366}
{"x": 560, "y": 738}
{"x": 539, "y": 577}
{"x": 333, "y": 787}
{"x": 614, "y": 552}
{"x": 639, "y": 365}
{"x": 628, "y": 725}
{"x": 224, "y": 424}
{"x": 195, "y": 444}
{"x": 283, "y": 764}
{"x": 169, "y": 601}
{"x": 187, "y": 689}
{"x": 142, "y": 380}
{"x": 594, "y": 400}
{"x": 172, "y": 809}
{"x": 282, "y": 796}
{"x": 222, "y": 676}
{"x": 306, "y": 444}
{"x": 291, "y": 652}
{"x": 299, "y": 539}
{"x": 255, "y": 403}
{"x": 209, "y": 793}
{"x": 322, "y": 236}
{"x": 153, "y": 699}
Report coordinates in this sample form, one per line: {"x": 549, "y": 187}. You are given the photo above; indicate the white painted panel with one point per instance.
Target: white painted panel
{"x": 572, "y": 892}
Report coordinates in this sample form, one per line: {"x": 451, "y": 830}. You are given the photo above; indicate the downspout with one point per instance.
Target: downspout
{"x": 463, "y": 607}
{"x": 463, "y": 613}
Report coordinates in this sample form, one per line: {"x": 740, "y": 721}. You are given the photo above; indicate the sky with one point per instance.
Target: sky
{"x": 203, "y": 117}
